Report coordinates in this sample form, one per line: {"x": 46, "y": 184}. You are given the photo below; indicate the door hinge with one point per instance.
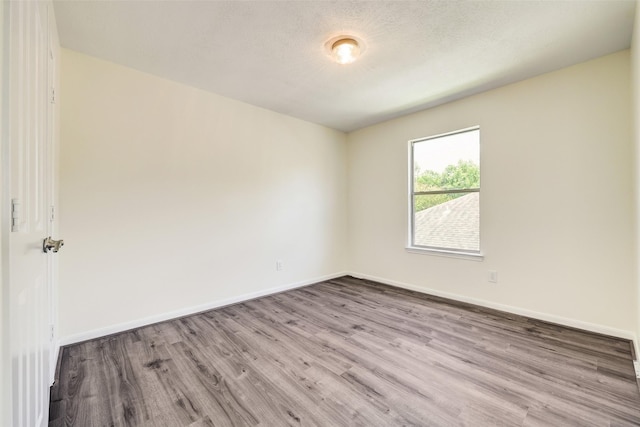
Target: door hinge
{"x": 16, "y": 214}
{"x": 53, "y": 95}
{"x": 53, "y": 332}
{"x": 52, "y": 213}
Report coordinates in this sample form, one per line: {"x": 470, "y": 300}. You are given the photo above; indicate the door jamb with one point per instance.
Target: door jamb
{"x": 6, "y": 403}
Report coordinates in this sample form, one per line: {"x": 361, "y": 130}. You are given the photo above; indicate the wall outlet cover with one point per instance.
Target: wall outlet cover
{"x": 493, "y": 276}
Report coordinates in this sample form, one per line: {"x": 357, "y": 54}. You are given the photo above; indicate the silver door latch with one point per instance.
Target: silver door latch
{"x": 50, "y": 245}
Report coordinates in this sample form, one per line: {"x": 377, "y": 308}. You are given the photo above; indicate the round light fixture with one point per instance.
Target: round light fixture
{"x": 345, "y": 50}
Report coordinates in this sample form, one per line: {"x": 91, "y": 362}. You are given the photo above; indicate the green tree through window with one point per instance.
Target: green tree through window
{"x": 466, "y": 174}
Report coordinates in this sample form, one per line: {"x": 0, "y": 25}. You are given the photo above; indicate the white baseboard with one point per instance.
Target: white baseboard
{"x": 121, "y": 327}
{"x": 591, "y": 327}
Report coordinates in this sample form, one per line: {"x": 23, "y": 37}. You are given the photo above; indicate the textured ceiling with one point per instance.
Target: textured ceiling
{"x": 418, "y": 53}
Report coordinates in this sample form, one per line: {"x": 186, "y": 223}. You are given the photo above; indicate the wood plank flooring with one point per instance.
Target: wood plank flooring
{"x": 348, "y": 352}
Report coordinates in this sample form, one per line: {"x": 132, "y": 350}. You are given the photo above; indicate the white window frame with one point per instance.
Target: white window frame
{"x": 411, "y": 246}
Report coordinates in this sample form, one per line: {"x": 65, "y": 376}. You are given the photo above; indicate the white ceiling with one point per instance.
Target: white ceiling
{"x": 418, "y": 53}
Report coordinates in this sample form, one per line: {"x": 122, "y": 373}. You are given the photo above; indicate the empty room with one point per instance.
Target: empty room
{"x": 320, "y": 213}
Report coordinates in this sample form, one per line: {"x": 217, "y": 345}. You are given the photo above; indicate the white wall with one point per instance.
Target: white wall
{"x": 172, "y": 197}
{"x": 556, "y": 211}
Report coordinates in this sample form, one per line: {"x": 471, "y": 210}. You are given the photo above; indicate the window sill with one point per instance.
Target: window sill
{"x": 447, "y": 254}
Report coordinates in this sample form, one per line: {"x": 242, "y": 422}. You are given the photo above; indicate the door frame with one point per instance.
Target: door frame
{"x": 5, "y": 222}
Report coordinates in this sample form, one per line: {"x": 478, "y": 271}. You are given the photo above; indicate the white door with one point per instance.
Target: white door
{"x": 31, "y": 174}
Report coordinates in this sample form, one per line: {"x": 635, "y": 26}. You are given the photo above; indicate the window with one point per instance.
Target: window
{"x": 445, "y": 192}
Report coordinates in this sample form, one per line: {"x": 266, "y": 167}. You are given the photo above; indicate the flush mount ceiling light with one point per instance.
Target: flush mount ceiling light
{"x": 344, "y": 49}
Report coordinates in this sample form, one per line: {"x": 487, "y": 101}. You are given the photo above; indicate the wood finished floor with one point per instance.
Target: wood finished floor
{"x": 348, "y": 352}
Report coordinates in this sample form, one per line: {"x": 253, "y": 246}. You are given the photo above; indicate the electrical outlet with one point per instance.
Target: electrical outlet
{"x": 636, "y": 367}
{"x": 279, "y": 265}
{"x": 493, "y": 276}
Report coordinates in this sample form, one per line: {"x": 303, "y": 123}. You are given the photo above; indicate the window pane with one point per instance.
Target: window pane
{"x": 447, "y": 162}
{"x": 447, "y": 221}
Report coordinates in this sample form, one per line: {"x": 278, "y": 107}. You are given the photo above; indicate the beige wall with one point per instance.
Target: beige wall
{"x": 556, "y": 211}
{"x": 172, "y": 198}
